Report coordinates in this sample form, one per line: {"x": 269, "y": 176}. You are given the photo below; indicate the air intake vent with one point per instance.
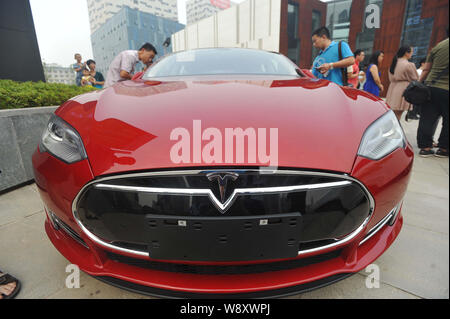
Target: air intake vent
{"x": 58, "y": 224}
{"x": 225, "y": 269}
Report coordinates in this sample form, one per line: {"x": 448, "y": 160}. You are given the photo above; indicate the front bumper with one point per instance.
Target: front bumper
{"x": 352, "y": 259}
{"x": 387, "y": 189}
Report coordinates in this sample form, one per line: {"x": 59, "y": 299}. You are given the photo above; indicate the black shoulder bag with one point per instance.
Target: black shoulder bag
{"x": 418, "y": 93}
{"x": 343, "y": 70}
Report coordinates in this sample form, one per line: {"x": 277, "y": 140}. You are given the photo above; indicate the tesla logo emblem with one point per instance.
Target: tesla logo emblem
{"x": 222, "y": 179}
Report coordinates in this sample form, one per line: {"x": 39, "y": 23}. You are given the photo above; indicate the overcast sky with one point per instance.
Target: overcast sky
{"x": 62, "y": 29}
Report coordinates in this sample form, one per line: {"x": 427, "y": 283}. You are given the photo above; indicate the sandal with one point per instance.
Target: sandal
{"x": 7, "y": 279}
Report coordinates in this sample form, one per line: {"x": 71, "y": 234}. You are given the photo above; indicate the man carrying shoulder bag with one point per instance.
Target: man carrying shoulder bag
{"x": 436, "y": 77}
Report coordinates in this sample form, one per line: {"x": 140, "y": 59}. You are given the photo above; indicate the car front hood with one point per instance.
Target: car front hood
{"x": 128, "y": 127}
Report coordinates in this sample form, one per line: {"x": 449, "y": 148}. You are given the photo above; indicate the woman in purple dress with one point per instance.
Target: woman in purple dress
{"x": 373, "y": 82}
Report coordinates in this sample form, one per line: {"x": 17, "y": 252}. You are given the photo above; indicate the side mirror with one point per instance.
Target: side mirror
{"x": 137, "y": 76}
{"x": 308, "y": 73}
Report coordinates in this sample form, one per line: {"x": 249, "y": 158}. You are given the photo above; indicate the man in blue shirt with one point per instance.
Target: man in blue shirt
{"x": 327, "y": 64}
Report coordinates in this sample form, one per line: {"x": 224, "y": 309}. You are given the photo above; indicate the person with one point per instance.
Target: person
{"x": 401, "y": 73}
{"x": 435, "y": 74}
{"x": 327, "y": 64}
{"x": 421, "y": 66}
{"x": 122, "y": 67}
{"x": 361, "y": 79}
{"x": 414, "y": 113}
{"x": 87, "y": 79}
{"x": 98, "y": 80}
{"x": 78, "y": 68}
{"x": 353, "y": 70}
{"x": 373, "y": 82}
{"x": 9, "y": 286}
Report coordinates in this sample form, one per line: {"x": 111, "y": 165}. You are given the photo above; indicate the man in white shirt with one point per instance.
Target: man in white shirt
{"x": 122, "y": 67}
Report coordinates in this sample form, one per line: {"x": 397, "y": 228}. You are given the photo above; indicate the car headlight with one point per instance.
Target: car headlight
{"x": 382, "y": 137}
{"x": 62, "y": 141}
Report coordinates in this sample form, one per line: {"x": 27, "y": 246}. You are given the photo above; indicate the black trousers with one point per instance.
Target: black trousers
{"x": 429, "y": 115}
{"x": 415, "y": 111}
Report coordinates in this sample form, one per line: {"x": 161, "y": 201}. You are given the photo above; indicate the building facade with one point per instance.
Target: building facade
{"x": 419, "y": 23}
{"x": 286, "y": 26}
{"x": 20, "y": 59}
{"x": 338, "y": 19}
{"x": 128, "y": 29}
{"x": 250, "y": 24}
{"x": 274, "y": 25}
{"x": 197, "y": 10}
{"x": 55, "y": 73}
{"x": 299, "y": 19}
{"x": 102, "y": 10}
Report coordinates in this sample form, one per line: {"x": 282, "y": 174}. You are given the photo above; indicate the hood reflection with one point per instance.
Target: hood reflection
{"x": 140, "y": 89}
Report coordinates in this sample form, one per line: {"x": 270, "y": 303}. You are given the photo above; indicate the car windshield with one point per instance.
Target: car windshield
{"x": 222, "y": 61}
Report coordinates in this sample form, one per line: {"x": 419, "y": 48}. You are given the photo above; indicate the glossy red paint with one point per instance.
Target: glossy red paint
{"x": 127, "y": 127}
{"x": 386, "y": 179}
{"x": 59, "y": 183}
{"x": 139, "y": 118}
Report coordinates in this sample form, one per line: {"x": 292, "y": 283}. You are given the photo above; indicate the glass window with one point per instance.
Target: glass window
{"x": 316, "y": 24}
{"x": 366, "y": 38}
{"x": 221, "y": 62}
{"x": 416, "y": 31}
{"x": 338, "y": 19}
{"x": 293, "y": 39}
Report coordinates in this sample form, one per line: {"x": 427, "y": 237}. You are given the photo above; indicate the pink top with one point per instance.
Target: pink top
{"x": 354, "y": 81}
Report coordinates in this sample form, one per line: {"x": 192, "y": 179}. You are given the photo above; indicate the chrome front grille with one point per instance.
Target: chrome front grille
{"x": 333, "y": 208}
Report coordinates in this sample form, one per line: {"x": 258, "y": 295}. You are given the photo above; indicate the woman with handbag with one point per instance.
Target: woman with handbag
{"x": 401, "y": 73}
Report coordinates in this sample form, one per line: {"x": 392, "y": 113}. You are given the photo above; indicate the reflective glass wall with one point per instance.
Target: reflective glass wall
{"x": 416, "y": 31}
{"x": 316, "y": 24}
{"x": 366, "y": 38}
{"x": 338, "y": 19}
{"x": 293, "y": 38}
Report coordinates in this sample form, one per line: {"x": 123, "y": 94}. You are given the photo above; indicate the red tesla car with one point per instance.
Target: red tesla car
{"x": 223, "y": 173}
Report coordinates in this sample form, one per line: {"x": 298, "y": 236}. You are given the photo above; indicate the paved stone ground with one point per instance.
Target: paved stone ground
{"x": 415, "y": 266}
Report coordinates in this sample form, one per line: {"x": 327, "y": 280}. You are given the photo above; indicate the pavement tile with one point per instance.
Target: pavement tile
{"x": 34, "y": 188}
{"x": 444, "y": 164}
{"x": 27, "y": 253}
{"x": 355, "y": 287}
{"x": 19, "y": 204}
{"x": 431, "y": 165}
{"x": 417, "y": 262}
{"x": 426, "y": 212}
{"x": 431, "y": 184}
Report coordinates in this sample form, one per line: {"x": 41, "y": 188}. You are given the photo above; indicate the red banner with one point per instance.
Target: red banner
{"x": 222, "y": 4}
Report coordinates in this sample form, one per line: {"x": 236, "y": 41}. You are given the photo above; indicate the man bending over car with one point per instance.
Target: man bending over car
{"x": 122, "y": 67}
